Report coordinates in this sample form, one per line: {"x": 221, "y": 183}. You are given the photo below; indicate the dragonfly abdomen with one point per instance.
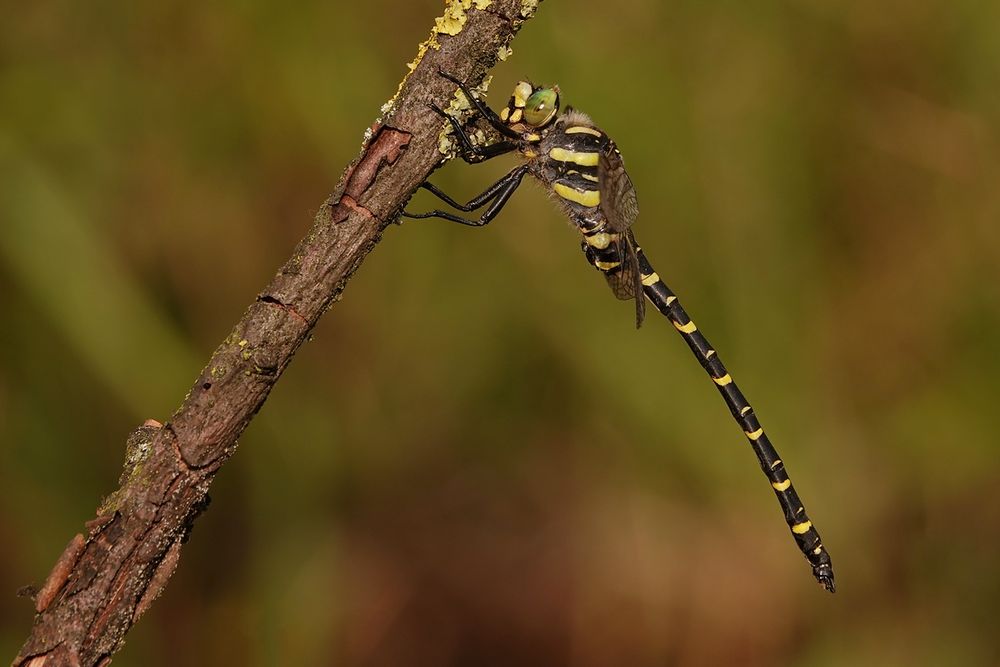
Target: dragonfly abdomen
{"x": 602, "y": 246}
{"x": 805, "y": 534}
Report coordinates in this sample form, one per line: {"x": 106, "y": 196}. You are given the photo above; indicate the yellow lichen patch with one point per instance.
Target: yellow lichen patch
{"x": 458, "y": 107}
{"x": 503, "y": 52}
{"x": 450, "y": 23}
{"x": 454, "y": 17}
{"x": 445, "y": 144}
{"x": 459, "y": 102}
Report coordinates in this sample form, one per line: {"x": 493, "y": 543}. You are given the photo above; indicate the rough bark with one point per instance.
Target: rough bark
{"x": 109, "y": 575}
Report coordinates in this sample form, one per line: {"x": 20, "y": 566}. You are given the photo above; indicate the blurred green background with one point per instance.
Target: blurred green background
{"x": 478, "y": 460}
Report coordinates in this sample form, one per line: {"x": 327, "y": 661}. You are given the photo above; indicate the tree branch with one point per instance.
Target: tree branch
{"x": 107, "y": 578}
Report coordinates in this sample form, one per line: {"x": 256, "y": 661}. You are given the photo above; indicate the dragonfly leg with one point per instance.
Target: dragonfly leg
{"x": 470, "y": 152}
{"x": 498, "y": 193}
{"x": 491, "y": 117}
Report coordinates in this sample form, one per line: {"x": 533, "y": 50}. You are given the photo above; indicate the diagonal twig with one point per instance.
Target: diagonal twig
{"x": 108, "y": 576}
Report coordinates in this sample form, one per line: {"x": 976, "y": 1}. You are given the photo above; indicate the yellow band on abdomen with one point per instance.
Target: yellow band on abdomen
{"x": 801, "y": 528}
{"x": 686, "y": 328}
{"x": 601, "y": 240}
{"x": 724, "y": 380}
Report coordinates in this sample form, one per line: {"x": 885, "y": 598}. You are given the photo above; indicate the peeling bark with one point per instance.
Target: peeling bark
{"x": 105, "y": 581}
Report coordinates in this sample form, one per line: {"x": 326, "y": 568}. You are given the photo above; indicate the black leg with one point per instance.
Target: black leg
{"x": 470, "y": 152}
{"x": 491, "y": 117}
{"x": 514, "y": 176}
{"x": 500, "y": 192}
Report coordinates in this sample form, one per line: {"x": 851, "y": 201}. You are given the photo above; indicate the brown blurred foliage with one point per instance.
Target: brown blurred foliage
{"x": 477, "y": 461}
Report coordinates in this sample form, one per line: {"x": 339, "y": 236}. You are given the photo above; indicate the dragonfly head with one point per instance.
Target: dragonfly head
{"x": 531, "y": 107}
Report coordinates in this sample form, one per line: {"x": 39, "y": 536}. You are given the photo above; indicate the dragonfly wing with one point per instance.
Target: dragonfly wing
{"x": 618, "y": 201}
{"x": 626, "y": 281}
{"x": 620, "y": 207}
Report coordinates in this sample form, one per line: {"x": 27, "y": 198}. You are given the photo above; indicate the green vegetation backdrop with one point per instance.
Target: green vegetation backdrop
{"x": 478, "y": 460}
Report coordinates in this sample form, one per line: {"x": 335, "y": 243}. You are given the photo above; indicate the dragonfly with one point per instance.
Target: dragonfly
{"x": 582, "y": 167}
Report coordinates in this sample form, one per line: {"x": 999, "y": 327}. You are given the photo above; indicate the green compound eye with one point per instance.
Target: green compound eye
{"x": 541, "y": 107}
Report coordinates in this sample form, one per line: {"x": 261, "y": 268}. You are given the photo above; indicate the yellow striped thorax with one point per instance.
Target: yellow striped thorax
{"x": 584, "y": 197}
{"x": 568, "y": 162}
{"x": 584, "y": 158}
